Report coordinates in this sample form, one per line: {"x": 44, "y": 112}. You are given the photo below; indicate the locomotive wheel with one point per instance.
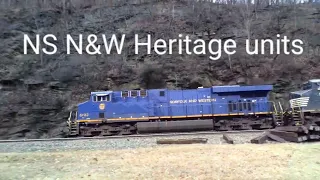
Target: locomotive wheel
{"x": 88, "y": 131}
{"x": 244, "y": 124}
{"x": 108, "y": 130}
{"x": 105, "y": 131}
{"x": 127, "y": 129}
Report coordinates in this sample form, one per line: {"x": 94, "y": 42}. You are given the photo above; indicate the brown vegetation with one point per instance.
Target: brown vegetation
{"x": 241, "y": 162}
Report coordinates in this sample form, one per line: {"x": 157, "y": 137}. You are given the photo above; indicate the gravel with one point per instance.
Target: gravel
{"x": 118, "y": 143}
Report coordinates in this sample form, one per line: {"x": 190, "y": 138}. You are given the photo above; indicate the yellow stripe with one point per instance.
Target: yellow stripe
{"x": 153, "y": 117}
{"x": 263, "y": 113}
{"x": 163, "y": 117}
{"x": 89, "y": 120}
{"x": 129, "y": 119}
{"x": 166, "y": 117}
{"x": 192, "y": 116}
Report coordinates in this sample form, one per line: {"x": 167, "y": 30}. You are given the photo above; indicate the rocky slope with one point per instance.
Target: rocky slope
{"x": 37, "y": 91}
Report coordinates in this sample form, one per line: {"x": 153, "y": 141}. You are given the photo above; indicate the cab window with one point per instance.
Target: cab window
{"x": 143, "y": 93}
{"x": 134, "y": 93}
{"x": 125, "y": 94}
{"x": 306, "y": 86}
{"x": 99, "y": 98}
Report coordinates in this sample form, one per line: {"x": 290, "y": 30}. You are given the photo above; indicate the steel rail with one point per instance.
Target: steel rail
{"x": 134, "y": 136}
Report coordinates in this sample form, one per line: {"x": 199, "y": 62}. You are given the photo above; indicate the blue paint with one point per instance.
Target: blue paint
{"x": 163, "y": 102}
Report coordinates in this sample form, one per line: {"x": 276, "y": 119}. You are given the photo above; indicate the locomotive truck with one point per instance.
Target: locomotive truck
{"x": 219, "y": 108}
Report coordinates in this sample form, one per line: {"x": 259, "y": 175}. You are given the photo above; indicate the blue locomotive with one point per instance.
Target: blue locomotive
{"x": 161, "y": 110}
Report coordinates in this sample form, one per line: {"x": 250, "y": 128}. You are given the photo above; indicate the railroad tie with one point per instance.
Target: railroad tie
{"x": 227, "y": 139}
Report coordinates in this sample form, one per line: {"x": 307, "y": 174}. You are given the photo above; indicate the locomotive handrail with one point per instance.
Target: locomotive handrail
{"x": 69, "y": 118}
{"x": 196, "y": 104}
{"x": 277, "y": 109}
{"x": 280, "y": 107}
{"x": 274, "y": 107}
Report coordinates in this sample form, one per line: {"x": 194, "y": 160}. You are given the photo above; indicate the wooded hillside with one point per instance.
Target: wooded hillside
{"x": 37, "y": 91}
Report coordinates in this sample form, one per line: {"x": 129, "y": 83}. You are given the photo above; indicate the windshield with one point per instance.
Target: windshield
{"x": 306, "y": 86}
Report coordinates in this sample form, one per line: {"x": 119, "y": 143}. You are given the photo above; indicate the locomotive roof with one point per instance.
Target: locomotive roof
{"x": 238, "y": 88}
{"x": 314, "y": 80}
{"x": 227, "y": 88}
{"x": 101, "y": 93}
{"x": 301, "y": 92}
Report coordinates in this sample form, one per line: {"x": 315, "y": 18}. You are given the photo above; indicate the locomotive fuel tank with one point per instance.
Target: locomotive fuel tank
{"x": 175, "y": 126}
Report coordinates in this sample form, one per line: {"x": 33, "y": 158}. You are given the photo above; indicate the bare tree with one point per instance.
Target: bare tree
{"x": 110, "y": 3}
{"x": 247, "y": 17}
{"x": 39, "y": 32}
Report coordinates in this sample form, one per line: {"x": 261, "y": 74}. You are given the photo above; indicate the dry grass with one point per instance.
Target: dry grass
{"x": 245, "y": 161}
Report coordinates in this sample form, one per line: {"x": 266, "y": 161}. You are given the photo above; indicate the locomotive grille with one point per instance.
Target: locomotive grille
{"x": 299, "y": 102}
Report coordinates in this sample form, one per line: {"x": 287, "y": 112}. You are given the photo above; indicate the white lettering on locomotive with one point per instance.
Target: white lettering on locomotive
{"x": 193, "y": 101}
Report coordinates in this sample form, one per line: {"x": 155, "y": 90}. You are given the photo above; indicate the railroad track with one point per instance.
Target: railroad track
{"x": 135, "y": 136}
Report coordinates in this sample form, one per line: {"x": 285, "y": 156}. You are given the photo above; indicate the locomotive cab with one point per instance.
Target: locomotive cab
{"x": 95, "y": 108}
{"x": 308, "y": 98}
{"x": 91, "y": 111}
